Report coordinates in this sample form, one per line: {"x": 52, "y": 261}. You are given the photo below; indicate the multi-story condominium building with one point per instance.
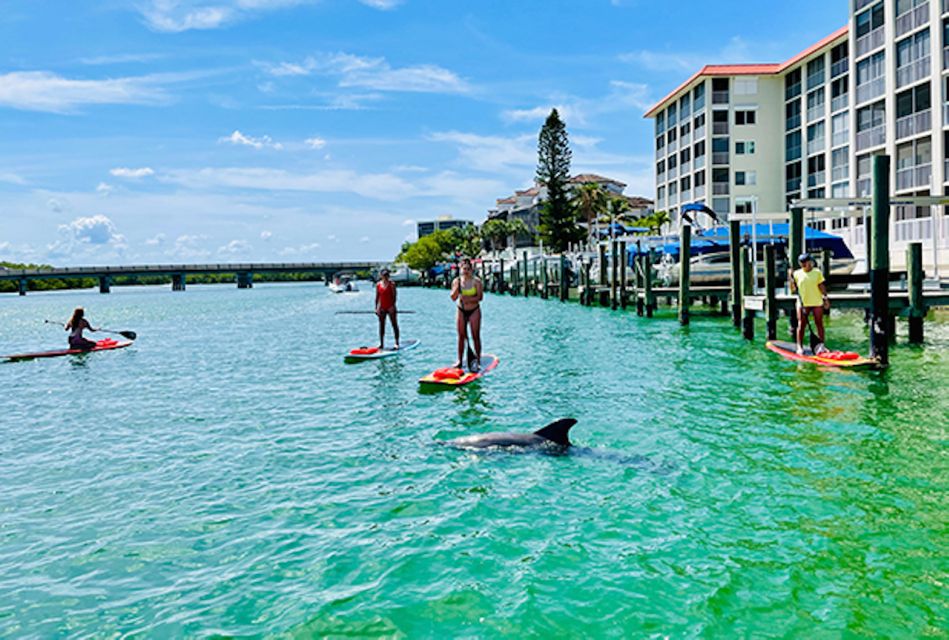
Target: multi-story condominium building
{"x": 443, "y": 223}
{"x": 766, "y": 134}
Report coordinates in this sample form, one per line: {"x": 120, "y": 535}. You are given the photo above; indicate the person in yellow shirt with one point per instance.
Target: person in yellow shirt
{"x": 808, "y": 282}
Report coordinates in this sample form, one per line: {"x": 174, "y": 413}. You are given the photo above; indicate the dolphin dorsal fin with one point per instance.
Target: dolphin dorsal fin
{"x": 557, "y": 431}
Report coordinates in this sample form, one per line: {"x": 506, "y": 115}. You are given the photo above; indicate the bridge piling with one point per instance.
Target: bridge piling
{"x": 245, "y": 280}
{"x": 23, "y": 286}
{"x": 105, "y": 284}
{"x": 178, "y": 282}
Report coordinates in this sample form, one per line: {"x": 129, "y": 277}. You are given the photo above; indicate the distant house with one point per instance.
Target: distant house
{"x": 441, "y": 224}
{"x": 526, "y": 205}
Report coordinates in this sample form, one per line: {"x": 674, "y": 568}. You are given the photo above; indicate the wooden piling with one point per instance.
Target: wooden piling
{"x": 622, "y": 273}
{"x": 613, "y": 275}
{"x": 770, "y": 284}
{"x": 914, "y": 277}
{"x": 734, "y": 246}
{"x": 544, "y": 279}
{"x": 795, "y": 249}
{"x": 650, "y": 298}
{"x": 685, "y": 255}
{"x": 564, "y": 280}
{"x": 500, "y": 275}
{"x": 880, "y": 260}
{"x": 588, "y": 291}
{"x": 639, "y": 279}
{"x": 601, "y": 256}
{"x": 527, "y": 278}
{"x": 747, "y": 288}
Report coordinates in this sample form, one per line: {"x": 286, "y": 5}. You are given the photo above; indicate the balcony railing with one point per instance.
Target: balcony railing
{"x": 916, "y": 70}
{"x": 792, "y": 123}
{"x": 840, "y": 102}
{"x": 719, "y": 128}
{"x": 870, "y": 90}
{"x": 869, "y": 42}
{"x": 816, "y": 179}
{"x": 839, "y": 68}
{"x": 793, "y": 90}
{"x": 913, "y": 177}
{"x": 700, "y": 191}
{"x": 719, "y": 97}
{"x": 685, "y": 167}
{"x": 816, "y": 146}
{"x": 909, "y": 20}
{"x": 686, "y": 194}
{"x": 661, "y": 177}
{"x": 672, "y": 172}
{"x": 720, "y": 157}
{"x": 815, "y": 79}
{"x": 871, "y": 137}
{"x": 792, "y": 153}
{"x": 840, "y": 138}
{"x": 840, "y": 173}
{"x": 794, "y": 184}
{"x": 913, "y": 124}
{"x": 698, "y": 162}
{"x": 913, "y": 230}
{"x": 719, "y": 188}
{"x": 815, "y": 113}
{"x": 699, "y": 104}
{"x": 699, "y": 133}
{"x": 672, "y": 146}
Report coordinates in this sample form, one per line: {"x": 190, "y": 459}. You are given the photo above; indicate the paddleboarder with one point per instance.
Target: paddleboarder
{"x": 808, "y": 282}
{"x": 385, "y": 307}
{"x": 75, "y": 326}
{"x": 468, "y": 291}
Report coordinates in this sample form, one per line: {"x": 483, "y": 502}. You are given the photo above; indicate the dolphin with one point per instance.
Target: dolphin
{"x": 554, "y": 434}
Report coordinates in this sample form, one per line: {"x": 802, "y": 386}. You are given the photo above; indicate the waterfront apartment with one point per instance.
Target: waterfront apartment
{"x": 443, "y": 223}
{"x": 525, "y": 205}
{"x": 753, "y": 137}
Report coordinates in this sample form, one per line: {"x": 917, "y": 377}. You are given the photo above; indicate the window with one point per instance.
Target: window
{"x": 673, "y": 188}
{"x": 792, "y": 84}
{"x": 719, "y": 145}
{"x": 902, "y": 6}
{"x": 815, "y": 72}
{"x": 720, "y": 175}
{"x": 672, "y": 162}
{"x": 815, "y": 104}
{"x": 671, "y": 115}
{"x": 685, "y": 184}
{"x": 672, "y": 135}
{"x": 746, "y": 86}
{"x": 698, "y": 97}
{"x": 685, "y": 129}
{"x": 792, "y": 176}
{"x": 792, "y": 115}
{"x": 661, "y": 193}
{"x": 744, "y": 205}
{"x": 661, "y": 167}
{"x": 700, "y": 179}
{"x": 913, "y": 101}
{"x": 685, "y": 155}
{"x": 871, "y": 116}
{"x": 816, "y": 165}
{"x": 745, "y": 148}
{"x": 721, "y": 205}
{"x": 684, "y": 106}
{"x": 838, "y": 94}
{"x": 840, "y": 129}
{"x": 913, "y": 48}
{"x": 660, "y": 124}
{"x": 719, "y": 84}
{"x": 698, "y": 149}
{"x": 869, "y": 20}
{"x": 745, "y": 117}
{"x": 815, "y": 134}
{"x": 792, "y": 146}
{"x": 749, "y": 178}
{"x": 699, "y": 121}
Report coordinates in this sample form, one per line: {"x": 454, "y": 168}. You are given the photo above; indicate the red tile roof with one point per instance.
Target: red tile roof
{"x": 587, "y": 178}
{"x": 749, "y": 69}
{"x": 508, "y": 200}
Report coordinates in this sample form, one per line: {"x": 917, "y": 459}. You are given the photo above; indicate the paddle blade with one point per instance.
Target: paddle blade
{"x": 815, "y": 341}
{"x": 131, "y": 335}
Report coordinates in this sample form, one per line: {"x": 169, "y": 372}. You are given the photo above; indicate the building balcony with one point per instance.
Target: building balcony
{"x": 685, "y": 167}
{"x": 792, "y": 91}
{"x": 699, "y": 133}
{"x": 720, "y": 157}
{"x": 672, "y": 146}
{"x": 719, "y": 97}
{"x": 719, "y": 188}
{"x": 699, "y": 162}
{"x": 698, "y": 105}
{"x": 815, "y": 113}
{"x": 871, "y": 137}
{"x": 839, "y": 68}
{"x": 914, "y": 124}
{"x": 719, "y": 128}
{"x": 840, "y": 173}
{"x": 863, "y": 187}
{"x": 913, "y": 177}
{"x": 792, "y": 153}
{"x": 914, "y": 230}
{"x": 870, "y": 90}
{"x": 816, "y": 146}
{"x": 794, "y": 122}
{"x": 815, "y": 79}
{"x": 699, "y": 191}
{"x": 661, "y": 177}
{"x": 816, "y": 179}
{"x": 672, "y": 172}
{"x": 840, "y": 138}
{"x": 794, "y": 184}
{"x": 869, "y": 42}
{"x": 840, "y": 102}
{"x": 916, "y": 70}
{"x": 661, "y": 152}
{"x": 685, "y": 195}
{"x": 909, "y": 20}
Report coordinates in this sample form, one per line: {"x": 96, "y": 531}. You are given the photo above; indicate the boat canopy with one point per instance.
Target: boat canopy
{"x": 716, "y": 239}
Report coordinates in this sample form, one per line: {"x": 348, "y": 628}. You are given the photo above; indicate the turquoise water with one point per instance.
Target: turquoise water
{"x": 229, "y": 475}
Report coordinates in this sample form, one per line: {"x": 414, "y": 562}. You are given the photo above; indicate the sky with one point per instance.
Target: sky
{"x": 183, "y": 131}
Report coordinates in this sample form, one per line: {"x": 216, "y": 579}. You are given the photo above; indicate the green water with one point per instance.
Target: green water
{"x": 229, "y": 475}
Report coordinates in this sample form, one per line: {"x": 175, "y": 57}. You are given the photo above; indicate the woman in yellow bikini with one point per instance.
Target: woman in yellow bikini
{"x": 468, "y": 291}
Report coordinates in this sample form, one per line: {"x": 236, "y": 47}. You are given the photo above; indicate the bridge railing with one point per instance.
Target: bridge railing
{"x": 164, "y": 269}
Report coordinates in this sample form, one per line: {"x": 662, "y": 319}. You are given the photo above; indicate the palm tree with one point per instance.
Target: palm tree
{"x": 495, "y": 232}
{"x": 659, "y": 220}
{"x": 591, "y": 201}
{"x": 515, "y": 228}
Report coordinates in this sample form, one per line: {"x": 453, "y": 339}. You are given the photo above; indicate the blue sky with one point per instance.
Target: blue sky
{"x": 232, "y": 130}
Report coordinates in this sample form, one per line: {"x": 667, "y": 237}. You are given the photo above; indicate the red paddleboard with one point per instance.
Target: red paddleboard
{"x": 452, "y": 377}
{"x": 836, "y": 359}
{"x": 107, "y": 344}
{"x": 362, "y": 354}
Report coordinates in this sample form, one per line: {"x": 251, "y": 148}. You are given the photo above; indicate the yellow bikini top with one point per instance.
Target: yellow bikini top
{"x": 473, "y": 291}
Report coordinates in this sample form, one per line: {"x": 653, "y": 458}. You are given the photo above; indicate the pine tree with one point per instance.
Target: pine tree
{"x": 558, "y": 218}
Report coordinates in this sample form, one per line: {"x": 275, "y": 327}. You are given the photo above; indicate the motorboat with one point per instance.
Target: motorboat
{"x": 344, "y": 283}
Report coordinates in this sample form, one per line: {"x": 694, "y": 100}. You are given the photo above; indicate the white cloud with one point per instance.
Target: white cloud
{"x": 133, "y": 174}
{"x": 364, "y": 239}
{"x": 380, "y": 186}
{"x": 266, "y": 235}
{"x": 332, "y": 237}
{"x": 492, "y": 153}
{"x": 189, "y": 246}
{"x": 84, "y": 234}
{"x": 45, "y": 91}
{"x": 235, "y": 247}
{"x": 408, "y": 222}
{"x": 240, "y": 139}
{"x": 104, "y": 189}
{"x": 120, "y": 58}
{"x": 579, "y": 112}
{"x": 175, "y": 16}
{"x": 735, "y": 51}
{"x": 302, "y": 250}
{"x": 374, "y": 73}
{"x": 12, "y": 178}
{"x": 315, "y": 143}
{"x": 156, "y": 240}
{"x": 384, "y": 5}
{"x": 55, "y": 205}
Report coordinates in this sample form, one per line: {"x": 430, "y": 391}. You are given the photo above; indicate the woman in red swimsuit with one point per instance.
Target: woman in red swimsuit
{"x": 385, "y": 307}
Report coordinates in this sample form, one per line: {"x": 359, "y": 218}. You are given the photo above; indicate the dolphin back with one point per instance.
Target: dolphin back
{"x": 558, "y": 431}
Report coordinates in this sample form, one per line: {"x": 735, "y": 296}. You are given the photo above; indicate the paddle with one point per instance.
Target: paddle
{"x": 130, "y": 335}
{"x": 814, "y": 340}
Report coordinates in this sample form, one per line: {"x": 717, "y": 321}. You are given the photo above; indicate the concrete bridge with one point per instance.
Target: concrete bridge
{"x": 244, "y": 272}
